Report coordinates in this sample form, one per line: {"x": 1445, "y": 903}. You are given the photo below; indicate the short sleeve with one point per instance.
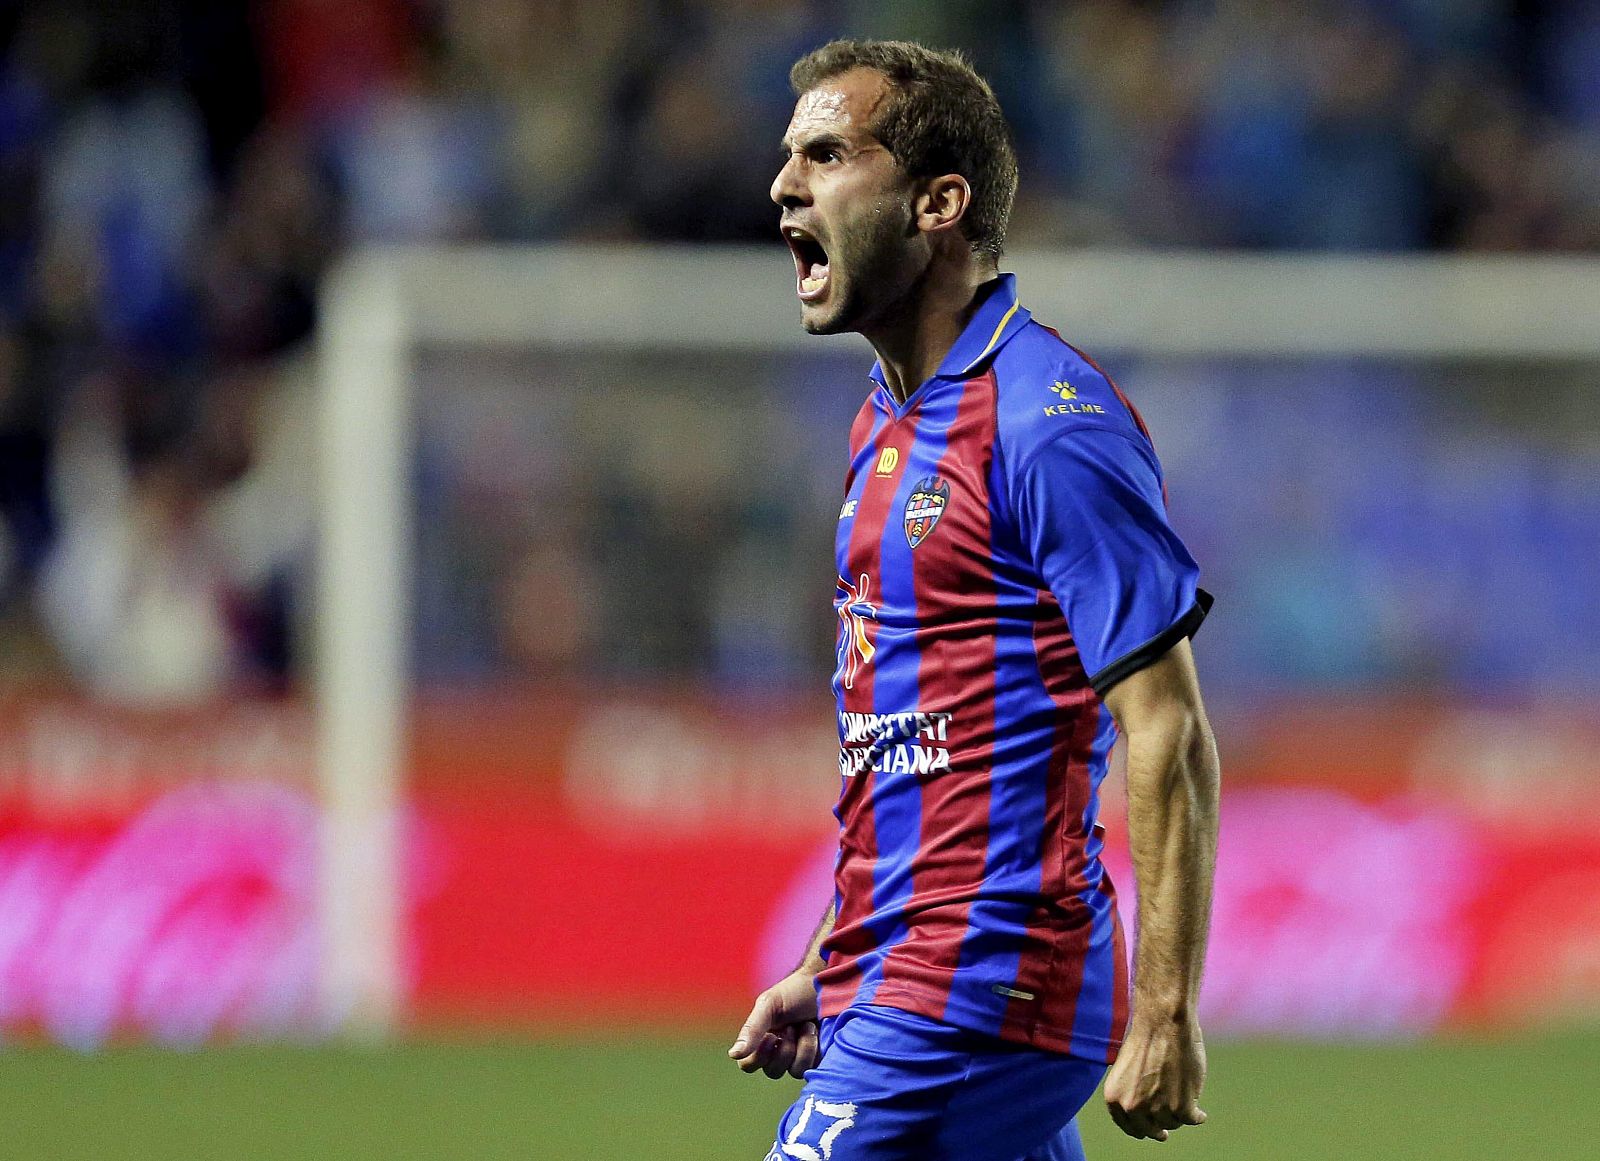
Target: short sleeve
{"x": 1092, "y": 515}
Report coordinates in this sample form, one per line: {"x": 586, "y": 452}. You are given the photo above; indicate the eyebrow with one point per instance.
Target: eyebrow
{"x": 812, "y": 140}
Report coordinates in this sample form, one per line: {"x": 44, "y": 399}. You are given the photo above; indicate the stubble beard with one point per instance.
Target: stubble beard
{"x": 870, "y": 265}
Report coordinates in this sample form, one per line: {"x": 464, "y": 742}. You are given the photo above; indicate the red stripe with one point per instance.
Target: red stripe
{"x": 858, "y": 840}
{"x": 956, "y": 672}
{"x": 1052, "y": 961}
{"x": 860, "y": 429}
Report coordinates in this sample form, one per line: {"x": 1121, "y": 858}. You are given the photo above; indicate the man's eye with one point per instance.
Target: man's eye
{"x": 828, "y": 155}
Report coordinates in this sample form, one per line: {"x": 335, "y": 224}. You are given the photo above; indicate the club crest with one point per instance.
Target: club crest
{"x": 927, "y": 503}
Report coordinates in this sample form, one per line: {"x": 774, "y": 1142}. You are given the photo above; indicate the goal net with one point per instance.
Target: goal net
{"x": 575, "y": 514}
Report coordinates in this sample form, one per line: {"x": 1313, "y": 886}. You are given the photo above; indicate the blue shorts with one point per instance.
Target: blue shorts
{"x": 892, "y": 1086}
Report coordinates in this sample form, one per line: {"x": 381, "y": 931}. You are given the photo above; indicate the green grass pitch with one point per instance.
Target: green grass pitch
{"x": 661, "y": 1099}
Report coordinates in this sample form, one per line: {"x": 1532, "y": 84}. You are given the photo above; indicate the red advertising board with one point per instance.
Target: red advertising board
{"x": 1384, "y": 870}
{"x": 157, "y": 874}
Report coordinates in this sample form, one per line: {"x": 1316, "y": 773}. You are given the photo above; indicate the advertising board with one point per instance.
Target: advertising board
{"x": 641, "y": 858}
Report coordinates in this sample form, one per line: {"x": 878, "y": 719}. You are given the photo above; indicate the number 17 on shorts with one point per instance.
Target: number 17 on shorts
{"x": 818, "y": 1126}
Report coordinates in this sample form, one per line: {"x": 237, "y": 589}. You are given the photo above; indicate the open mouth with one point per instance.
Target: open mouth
{"x": 810, "y": 263}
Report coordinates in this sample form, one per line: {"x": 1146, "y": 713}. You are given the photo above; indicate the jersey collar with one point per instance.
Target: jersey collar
{"x": 998, "y": 317}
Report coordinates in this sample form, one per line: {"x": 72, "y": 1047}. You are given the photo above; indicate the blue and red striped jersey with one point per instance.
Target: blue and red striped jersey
{"x": 1004, "y": 558}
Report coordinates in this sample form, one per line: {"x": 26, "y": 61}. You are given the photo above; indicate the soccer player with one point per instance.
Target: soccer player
{"x": 1010, "y": 596}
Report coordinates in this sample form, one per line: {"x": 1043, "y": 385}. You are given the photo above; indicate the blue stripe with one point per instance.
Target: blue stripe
{"x": 897, "y": 798}
{"x": 1013, "y": 874}
{"x": 1091, "y": 1025}
{"x": 1018, "y": 792}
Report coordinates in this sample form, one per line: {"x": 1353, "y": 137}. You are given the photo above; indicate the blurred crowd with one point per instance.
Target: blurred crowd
{"x": 1368, "y": 525}
{"x": 175, "y": 177}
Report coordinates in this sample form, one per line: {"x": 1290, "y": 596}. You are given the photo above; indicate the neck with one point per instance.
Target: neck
{"x": 915, "y": 340}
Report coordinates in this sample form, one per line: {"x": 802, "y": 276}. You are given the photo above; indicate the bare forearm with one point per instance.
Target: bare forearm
{"x": 1173, "y": 788}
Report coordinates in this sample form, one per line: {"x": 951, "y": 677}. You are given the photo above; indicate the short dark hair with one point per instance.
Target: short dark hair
{"x": 941, "y": 117}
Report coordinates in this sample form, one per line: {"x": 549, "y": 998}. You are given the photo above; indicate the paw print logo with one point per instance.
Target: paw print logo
{"x": 1064, "y": 389}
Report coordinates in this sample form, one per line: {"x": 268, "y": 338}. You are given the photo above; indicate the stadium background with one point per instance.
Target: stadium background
{"x": 618, "y": 760}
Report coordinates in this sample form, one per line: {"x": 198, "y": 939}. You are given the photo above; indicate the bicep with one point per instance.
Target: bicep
{"x": 1166, "y": 689}
{"x": 1170, "y": 743}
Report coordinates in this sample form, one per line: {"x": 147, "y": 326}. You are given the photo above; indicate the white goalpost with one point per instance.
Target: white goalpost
{"x": 379, "y": 307}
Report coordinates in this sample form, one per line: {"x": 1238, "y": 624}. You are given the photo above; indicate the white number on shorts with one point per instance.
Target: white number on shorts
{"x": 843, "y": 1115}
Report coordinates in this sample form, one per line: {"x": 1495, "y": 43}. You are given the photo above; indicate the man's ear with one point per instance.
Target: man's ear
{"x": 942, "y": 203}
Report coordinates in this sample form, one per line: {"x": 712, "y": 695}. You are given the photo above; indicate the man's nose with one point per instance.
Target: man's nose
{"x": 788, "y": 190}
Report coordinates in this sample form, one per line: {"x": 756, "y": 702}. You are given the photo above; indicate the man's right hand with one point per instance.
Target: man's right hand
{"x": 1154, "y": 1086}
{"x": 780, "y": 1035}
